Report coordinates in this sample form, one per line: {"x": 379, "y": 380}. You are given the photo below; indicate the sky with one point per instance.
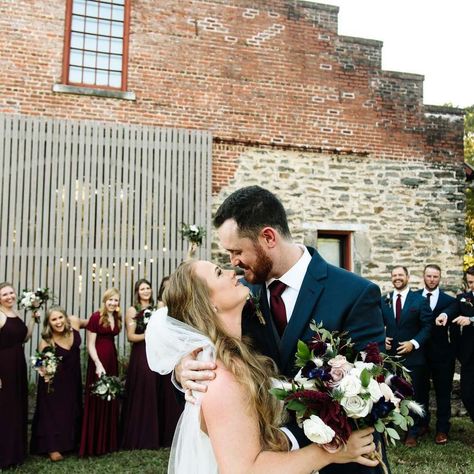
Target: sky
{"x": 428, "y": 37}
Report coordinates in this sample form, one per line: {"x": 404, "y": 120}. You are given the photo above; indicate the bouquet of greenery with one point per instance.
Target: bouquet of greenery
{"x": 108, "y": 387}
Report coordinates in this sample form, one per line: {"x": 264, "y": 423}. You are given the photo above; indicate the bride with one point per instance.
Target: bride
{"x": 233, "y": 427}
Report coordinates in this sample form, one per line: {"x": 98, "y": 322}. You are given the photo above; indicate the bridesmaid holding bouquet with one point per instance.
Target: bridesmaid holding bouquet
{"x": 57, "y": 419}
{"x": 100, "y": 422}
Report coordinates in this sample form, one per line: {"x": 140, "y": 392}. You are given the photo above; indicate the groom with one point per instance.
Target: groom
{"x": 294, "y": 285}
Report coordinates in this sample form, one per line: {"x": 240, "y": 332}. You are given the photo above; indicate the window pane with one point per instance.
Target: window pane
{"x": 75, "y": 58}
{"x": 89, "y": 59}
{"x": 118, "y": 13}
{"x": 77, "y": 23}
{"x": 105, "y": 11}
{"x": 117, "y": 29}
{"x": 75, "y": 74}
{"x": 103, "y": 44}
{"x": 116, "y": 63}
{"x": 89, "y": 76}
{"x": 102, "y": 78}
{"x": 115, "y": 79}
{"x": 77, "y": 40}
{"x": 92, "y": 9}
{"x": 103, "y": 61}
{"x": 79, "y": 7}
{"x": 116, "y": 46}
{"x": 91, "y": 25}
{"x": 90, "y": 42}
{"x": 104, "y": 27}
{"x": 330, "y": 250}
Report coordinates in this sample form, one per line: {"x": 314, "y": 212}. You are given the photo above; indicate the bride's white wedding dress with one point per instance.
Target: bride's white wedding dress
{"x": 167, "y": 340}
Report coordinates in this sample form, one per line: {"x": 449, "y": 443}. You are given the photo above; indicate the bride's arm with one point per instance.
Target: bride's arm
{"x": 234, "y": 434}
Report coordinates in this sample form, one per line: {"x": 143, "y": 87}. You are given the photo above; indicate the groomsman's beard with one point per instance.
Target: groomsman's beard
{"x": 258, "y": 272}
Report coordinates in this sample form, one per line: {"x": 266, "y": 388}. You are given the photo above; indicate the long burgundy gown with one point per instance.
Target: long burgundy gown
{"x": 150, "y": 411}
{"x": 13, "y": 394}
{"x": 100, "y": 423}
{"x": 57, "y": 419}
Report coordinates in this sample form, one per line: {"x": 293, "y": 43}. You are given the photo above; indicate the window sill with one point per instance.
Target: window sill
{"x": 109, "y": 94}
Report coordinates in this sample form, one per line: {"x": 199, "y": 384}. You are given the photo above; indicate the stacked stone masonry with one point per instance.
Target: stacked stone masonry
{"x": 272, "y": 78}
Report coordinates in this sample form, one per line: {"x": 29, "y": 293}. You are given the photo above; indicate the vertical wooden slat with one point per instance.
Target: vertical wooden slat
{"x": 85, "y": 193}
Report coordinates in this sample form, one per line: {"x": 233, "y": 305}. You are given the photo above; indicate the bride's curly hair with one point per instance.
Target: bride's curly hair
{"x": 188, "y": 300}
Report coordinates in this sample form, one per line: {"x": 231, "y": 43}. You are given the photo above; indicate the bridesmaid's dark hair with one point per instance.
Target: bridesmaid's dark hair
{"x": 162, "y": 288}
{"x": 47, "y": 333}
{"x": 136, "y": 297}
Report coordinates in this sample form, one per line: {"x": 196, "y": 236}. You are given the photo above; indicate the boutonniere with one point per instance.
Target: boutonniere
{"x": 388, "y": 300}
{"x": 466, "y": 301}
{"x": 254, "y": 300}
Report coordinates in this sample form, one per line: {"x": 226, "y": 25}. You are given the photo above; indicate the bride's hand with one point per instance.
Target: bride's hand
{"x": 360, "y": 443}
{"x": 190, "y": 371}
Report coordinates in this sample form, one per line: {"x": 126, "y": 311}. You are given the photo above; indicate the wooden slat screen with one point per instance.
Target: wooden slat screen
{"x": 85, "y": 206}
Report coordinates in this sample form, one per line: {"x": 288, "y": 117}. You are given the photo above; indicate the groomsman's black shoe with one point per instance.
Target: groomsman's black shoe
{"x": 441, "y": 438}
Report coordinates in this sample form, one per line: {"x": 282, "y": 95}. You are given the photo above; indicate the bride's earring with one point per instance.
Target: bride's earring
{"x": 215, "y": 309}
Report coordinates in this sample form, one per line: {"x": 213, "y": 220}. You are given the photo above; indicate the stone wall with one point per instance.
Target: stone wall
{"x": 407, "y": 212}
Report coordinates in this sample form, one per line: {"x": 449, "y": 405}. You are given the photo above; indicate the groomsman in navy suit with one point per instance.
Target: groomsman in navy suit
{"x": 440, "y": 353}
{"x": 295, "y": 285}
{"x": 463, "y": 338}
{"x": 408, "y": 322}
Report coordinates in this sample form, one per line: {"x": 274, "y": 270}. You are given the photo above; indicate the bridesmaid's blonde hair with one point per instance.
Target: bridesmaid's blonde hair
{"x": 47, "y": 332}
{"x": 188, "y": 300}
{"x": 104, "y": 317}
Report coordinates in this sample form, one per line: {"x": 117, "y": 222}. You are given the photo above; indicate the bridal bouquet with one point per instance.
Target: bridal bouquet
{"x": 46, "y": 364}
{"x": 338, "y": 390}
{"x": 107, "y": 387}
{"x": 195, "y": 234}
{"x": 34, "y": 300}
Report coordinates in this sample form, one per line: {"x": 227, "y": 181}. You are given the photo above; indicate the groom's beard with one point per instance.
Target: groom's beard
{"x": 258, "y": 273}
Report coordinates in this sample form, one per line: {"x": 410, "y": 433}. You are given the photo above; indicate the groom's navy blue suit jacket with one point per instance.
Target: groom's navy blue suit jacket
{"x": 339, "y": 299}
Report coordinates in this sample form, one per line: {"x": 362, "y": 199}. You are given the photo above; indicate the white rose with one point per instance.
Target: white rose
{"x": 318, "y": 362}
{"x": 356, "y": 407}
{"x": 193, "y": 228}
{"x": 101, "y": 389}
{"x": 360, "y": 366}
{"x": 350, "y": 385}
{"x": 374, "y": 390}
{"x": 317, "y": 431}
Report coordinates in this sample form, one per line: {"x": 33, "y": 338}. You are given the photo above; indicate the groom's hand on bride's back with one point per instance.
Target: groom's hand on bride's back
{"x": 191, "y": 373}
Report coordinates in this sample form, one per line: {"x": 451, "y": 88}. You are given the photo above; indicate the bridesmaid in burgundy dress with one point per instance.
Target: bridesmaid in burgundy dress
{"x": 100, "y": 422}
{"x": 13, "y": 379}
{"x": 57, "y": 420}
{"x": 142, "y": 425}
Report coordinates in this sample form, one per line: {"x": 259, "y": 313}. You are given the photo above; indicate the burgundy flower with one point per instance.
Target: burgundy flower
{"x": 333, "y": 415}
{"x": 318, "y": 347}
{"x": 401, "y": 388}
{"x": 373, "y": 353}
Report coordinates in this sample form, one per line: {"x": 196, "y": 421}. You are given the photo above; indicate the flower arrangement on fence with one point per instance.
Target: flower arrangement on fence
{"x": 108, "y": 387}
{"x": 338, "y": 390}
{"x": 46, "y": 364}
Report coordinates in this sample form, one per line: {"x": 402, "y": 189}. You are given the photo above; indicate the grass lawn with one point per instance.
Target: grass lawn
{"x": 428, "y": 458}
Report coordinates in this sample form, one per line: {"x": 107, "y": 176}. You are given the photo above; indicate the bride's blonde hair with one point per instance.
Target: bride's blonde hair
{"x": 188, "y": 300}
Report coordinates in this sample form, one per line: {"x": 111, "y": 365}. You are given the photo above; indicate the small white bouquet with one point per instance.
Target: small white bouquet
{"x": 34, "y": 300}
{"x": 108, "y": 387}
{"x": 46, "y": 364}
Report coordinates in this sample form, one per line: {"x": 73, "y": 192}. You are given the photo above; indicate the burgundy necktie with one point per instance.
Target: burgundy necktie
{"x": 398, "y": 308}
{"x": 277, "y": 306}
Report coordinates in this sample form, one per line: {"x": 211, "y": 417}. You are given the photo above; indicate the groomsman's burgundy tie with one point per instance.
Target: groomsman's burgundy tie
{"x": 277, "y": 306}
{"x": 398, "y": 308}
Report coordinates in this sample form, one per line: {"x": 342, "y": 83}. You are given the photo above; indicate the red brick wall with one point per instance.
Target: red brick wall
{"x": 268, "y": 72}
